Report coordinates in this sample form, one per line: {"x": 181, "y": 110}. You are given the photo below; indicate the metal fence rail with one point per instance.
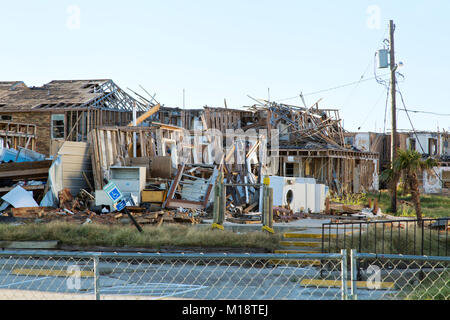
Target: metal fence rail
{"x": 96, "y": 275}
{"x": 406, "y": 236}
{"x": 70, "y": 275}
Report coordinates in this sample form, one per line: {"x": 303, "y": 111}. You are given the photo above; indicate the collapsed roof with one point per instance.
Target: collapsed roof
{"x": 304, "y": 128}
{"x": 16, "y": 96}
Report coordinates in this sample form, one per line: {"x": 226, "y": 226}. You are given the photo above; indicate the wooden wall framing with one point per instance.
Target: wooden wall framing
{"x": 18, "y": 135}
{"x": 342, "y": 171}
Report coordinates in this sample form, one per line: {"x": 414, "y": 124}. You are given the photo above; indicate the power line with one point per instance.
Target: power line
{"x": 371, "y": 109}
{"x": 414, "y": 130}
{"x": 361, "y": 79}
{"x": 427, "y": 112}
{"x": 329, "y": 89}
{"x": 356, "y": 86}
{"x": 364, "y": 74}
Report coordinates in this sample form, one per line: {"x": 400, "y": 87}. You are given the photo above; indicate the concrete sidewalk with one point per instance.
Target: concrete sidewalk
{"x": 296, "y": 225}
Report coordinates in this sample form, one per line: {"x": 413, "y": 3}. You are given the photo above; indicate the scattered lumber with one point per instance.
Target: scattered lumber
{"x": 32, "y": 212}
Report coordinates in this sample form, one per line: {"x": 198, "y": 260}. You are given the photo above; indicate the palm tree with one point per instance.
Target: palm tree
{"x": 407, "y": 164}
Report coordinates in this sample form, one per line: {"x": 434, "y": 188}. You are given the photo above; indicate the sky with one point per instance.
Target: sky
{"x": 232, "y": 49}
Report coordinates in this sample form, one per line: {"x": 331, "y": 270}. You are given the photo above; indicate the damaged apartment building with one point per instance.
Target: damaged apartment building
{"x": 39, "y": 118}
{"x": 311, "y": 141}
{"x": 84, "y": 135}
{"x": 435, "y": 144}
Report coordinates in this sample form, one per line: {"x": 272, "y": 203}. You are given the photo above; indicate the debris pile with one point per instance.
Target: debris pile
{"x": 160, "y": 183}
{"x": 308, "y": 128}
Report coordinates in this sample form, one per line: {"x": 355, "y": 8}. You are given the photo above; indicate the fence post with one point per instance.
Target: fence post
{"x": 267, "y": 209}
{"x": 344, "y": 286}
{"x": 219, "y": 203}
{"x": 423, "y": 235}
{"x": 263, "y": 203}
{"x": 96, "y": 278}
{"x": 270, "y": 223}
{"x": 353, "y": 274}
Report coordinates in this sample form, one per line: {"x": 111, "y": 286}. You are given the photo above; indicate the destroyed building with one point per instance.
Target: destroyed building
{"x": 168, "y": 158}
{"x": 435, "y": 144}
{"x": 311, "y": 141}
{"x": 37, "y": 118}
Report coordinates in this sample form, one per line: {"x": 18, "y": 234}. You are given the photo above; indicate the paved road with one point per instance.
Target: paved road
{"x": 54, "y": 279}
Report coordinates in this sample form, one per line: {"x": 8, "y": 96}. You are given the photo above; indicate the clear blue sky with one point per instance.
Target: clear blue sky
{"x": 231, "y": 49}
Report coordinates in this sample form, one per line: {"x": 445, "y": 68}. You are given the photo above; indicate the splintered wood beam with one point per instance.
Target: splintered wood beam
{"x": 174, "y": 185}
{"x": 255, "y": 146}
{"x": 146, "y": 115}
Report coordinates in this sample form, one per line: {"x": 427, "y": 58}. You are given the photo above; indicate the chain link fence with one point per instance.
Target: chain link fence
{"x": 399, "y": 277}
{"x": 28, "y": 275}
{"x": 70, "y": 275}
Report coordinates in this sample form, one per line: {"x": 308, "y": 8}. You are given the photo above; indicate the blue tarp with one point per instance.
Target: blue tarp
{"x": 22, "y": 155}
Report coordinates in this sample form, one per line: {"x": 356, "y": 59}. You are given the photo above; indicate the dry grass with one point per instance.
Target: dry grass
{"x": 127, "y": 236}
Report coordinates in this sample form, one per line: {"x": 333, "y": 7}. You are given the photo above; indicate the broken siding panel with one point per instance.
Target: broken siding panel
{"x": 75, "y": 159}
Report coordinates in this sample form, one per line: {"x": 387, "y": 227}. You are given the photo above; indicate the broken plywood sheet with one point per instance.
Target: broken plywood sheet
{"x": 19, "y": 198}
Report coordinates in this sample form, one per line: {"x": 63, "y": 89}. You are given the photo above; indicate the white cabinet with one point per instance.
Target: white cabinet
{"x": 129, "y": 180}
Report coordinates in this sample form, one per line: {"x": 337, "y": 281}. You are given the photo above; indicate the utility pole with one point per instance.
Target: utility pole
{"x": 134, "y": 131}
{"x": 394, "y": 138}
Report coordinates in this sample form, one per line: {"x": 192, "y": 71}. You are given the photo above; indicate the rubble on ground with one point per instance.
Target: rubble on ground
{"x": 148, "y": 166}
